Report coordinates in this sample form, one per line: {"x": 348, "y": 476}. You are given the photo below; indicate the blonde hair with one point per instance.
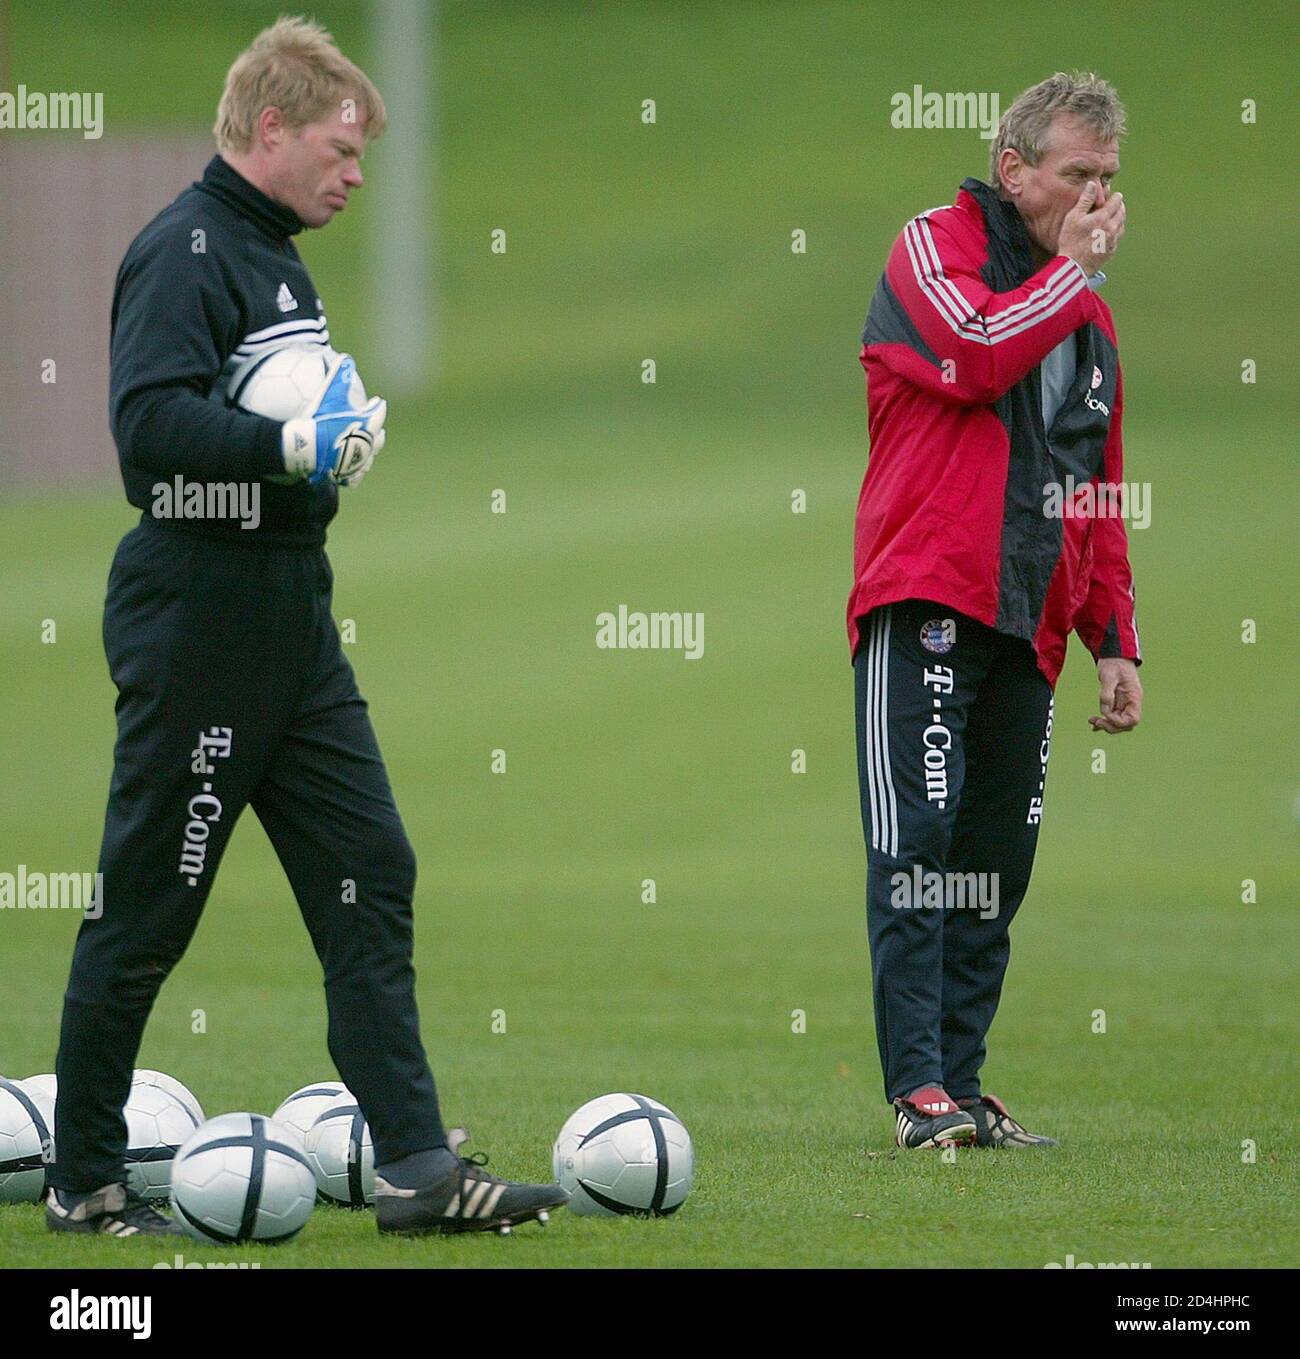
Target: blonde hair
{"x": 1025, "y": 125}
{"x": 294, "y": 66}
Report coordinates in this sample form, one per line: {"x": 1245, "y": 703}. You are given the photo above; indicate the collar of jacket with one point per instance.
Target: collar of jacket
{"x": 223, "y": 181}
{"x": 1001, "y": 219}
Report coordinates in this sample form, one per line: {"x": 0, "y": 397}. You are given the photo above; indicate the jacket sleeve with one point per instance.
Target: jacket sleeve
{"x": 937, "y": 324}
{"x": 1107, "y": 621}
{"x": 174, "y": 323}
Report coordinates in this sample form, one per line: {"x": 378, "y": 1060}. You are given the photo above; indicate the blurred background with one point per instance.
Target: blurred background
{"x": 671, "y": 240}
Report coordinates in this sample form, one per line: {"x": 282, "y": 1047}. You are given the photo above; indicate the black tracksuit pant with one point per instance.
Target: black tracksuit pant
{"x": 233, "y": 690}
{"x": 954, "y": 726}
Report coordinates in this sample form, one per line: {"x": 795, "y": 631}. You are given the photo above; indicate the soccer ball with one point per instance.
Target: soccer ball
{"x": 157, "y": 1123}
{"x": 26, "y": 1142}
{"x": 340, "y": 1152}
{"x": 242, "y": 1177}
{"x": 300, "y": 1110}
{"x": 280, "y": 384}
{"x": 46, "y": 1085}
{"x": 624, "y": 1154}
{"x": 179, "y": 1092}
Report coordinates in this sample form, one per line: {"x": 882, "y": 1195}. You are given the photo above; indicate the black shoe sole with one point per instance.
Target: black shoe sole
{"x": 454, "y": 1226}
{"x": 1018, "y": 1146}
{"x": 959, "y": 1135}
{"x": 56, "y": 1224}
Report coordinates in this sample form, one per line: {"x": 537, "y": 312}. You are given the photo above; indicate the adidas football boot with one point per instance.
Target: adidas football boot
{"x": 994, "y": 1127}
{"x": 462, "y": 1198}
{"x": 113, "y": 1210}
{"x": 928, "y": 1118}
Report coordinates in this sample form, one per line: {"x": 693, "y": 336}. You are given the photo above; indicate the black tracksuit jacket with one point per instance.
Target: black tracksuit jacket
{"x": 213, "y": 281}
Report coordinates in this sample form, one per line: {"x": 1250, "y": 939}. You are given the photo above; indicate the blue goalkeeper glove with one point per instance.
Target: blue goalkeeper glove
{"x": 335, "y": 439}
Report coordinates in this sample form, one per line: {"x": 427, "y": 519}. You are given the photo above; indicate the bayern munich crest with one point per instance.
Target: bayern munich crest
{"x": 939, "y": 635}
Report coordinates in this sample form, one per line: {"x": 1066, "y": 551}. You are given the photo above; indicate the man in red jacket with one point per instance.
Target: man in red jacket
{"x": 988, "y": 529}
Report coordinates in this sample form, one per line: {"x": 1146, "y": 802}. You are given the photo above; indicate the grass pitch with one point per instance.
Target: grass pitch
{"x": 475, "y": 632}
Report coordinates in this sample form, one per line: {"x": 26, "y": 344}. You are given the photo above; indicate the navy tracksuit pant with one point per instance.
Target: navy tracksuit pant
{"x": 233, "y": 690}
{"x": 954, "y": 725}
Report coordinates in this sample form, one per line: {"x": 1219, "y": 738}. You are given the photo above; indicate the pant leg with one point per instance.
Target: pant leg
{"x": 327, "y": 807}
{"x": 912, "y": 704}
{"x": 195, "y": 718}
{"x": 1008, "y": 739}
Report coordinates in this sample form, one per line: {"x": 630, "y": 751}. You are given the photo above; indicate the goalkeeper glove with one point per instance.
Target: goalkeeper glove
{"x": 334, "y": 439}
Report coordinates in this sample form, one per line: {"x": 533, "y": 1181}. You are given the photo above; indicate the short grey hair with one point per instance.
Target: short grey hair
{"x": 1025, "y": 125}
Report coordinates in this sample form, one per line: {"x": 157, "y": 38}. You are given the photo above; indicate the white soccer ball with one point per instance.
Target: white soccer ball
{"x": 302, "y": 1108}
{"x": 242, "y": 1177}
{"x": 46, "y": 1085}
{"x": 157, "y": 1123}
{"x": 26, "y": 1142}
{"x": 182, "y": 1094}
{"x": 280, "y": 384}
{"x": 624, "y": 1154}
{"x": 341, "y": 1154}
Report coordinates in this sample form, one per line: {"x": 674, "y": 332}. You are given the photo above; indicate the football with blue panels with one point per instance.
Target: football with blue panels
{"x": 284, "y": 383}
{"x": 624, "y": 1154}
{"x": 242, "y": 1177}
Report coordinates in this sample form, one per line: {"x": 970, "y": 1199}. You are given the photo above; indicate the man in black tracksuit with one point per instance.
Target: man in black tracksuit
{"x": 233, "y": 690}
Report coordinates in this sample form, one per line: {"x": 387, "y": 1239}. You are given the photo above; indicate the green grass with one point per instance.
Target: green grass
{"x": 476, "y": 631}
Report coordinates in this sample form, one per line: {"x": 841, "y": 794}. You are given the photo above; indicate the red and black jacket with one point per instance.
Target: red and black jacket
{"x": 953, "y": 505}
